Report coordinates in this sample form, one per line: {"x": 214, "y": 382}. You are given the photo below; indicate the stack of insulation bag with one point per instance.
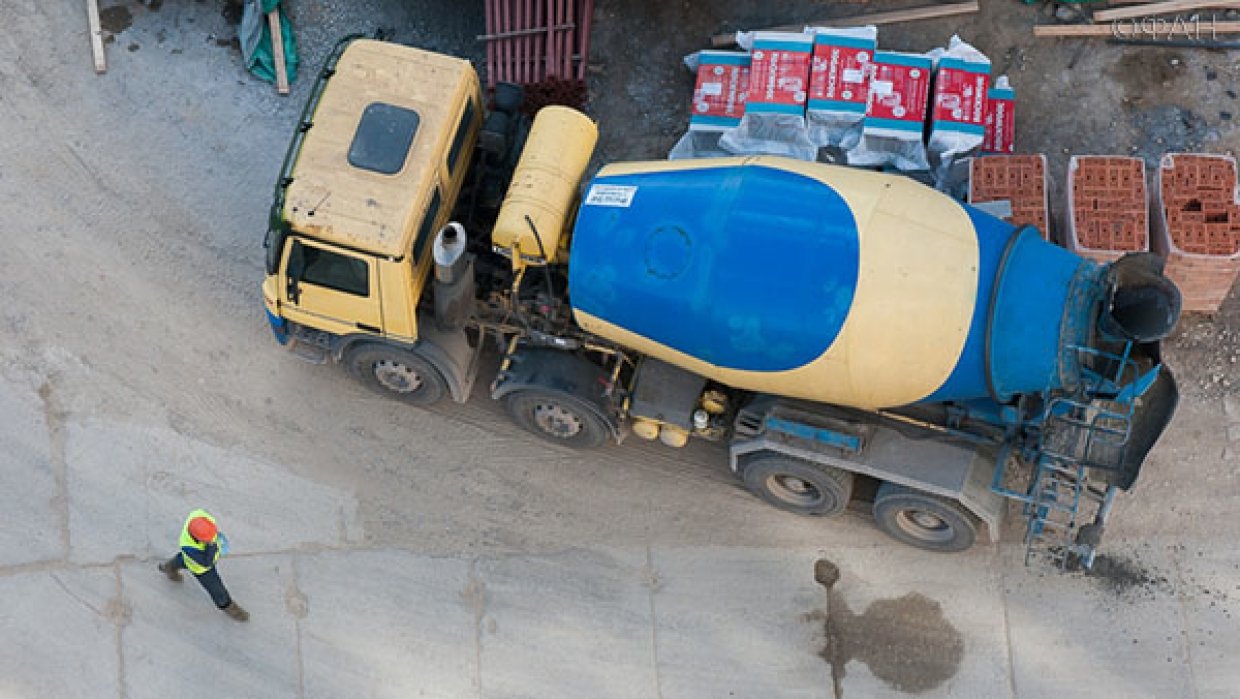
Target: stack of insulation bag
{"x": 829, "y": 94}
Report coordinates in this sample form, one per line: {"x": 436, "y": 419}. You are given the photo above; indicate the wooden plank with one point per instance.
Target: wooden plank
{"x": 1125, "y": 30}
{"x": 524, "y": 32}
{"x": 1160, "y": 8}
{"x": 892, "y": 17}
{"x": 96, "y": 35}
{"x": 277, "y": 50}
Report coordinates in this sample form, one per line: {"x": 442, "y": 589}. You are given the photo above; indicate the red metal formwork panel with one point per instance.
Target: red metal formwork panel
{"x": 542, "y": 44}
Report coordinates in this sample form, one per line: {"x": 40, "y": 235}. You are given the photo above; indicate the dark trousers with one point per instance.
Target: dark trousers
{"x": 210, "y": 582}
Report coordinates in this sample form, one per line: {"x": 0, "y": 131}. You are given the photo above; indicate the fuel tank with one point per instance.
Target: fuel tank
{"x": 835, "y": 284}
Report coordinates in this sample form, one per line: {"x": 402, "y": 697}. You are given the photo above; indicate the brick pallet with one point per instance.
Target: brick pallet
{"x": 1108, "y": 207}
{"x": 1197, "y": 226}
{"x": 1018, "y": 179}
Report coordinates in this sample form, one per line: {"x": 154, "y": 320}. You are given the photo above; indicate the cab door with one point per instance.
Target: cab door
{"x": 330, "y": 289}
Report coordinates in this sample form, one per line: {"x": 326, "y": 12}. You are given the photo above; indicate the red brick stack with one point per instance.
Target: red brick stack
{"x": 1108, "y": 210}
{"x": 1019, "y": 179}
{"x": 1197, "y": 226}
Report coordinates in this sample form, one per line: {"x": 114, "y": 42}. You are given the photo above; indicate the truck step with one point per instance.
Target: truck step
{"x": 308, "y": 352}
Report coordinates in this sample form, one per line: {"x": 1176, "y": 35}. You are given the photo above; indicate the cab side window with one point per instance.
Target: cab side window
{"x": 335, "y": 271}
{"x": 458, "y": 141}
{"x": 428, "y": 221}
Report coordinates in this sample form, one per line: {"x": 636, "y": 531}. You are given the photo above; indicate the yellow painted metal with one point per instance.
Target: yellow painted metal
{"x": 646, "y": 429}
{"x": 911, "y": 310}
{"x": 334, "y": 311}
{"x": 332, "y": 201}
{"x": 337, "y": 202}
{"x": 673, "y": 436}
{"x": 544, "y": 186}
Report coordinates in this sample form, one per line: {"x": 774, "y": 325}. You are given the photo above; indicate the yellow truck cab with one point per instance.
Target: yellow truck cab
{"x": 373, "y": 172}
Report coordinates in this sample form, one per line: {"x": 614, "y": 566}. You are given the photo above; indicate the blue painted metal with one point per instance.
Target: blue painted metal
{"x": 279, "y": 327}
{"x": 722, "y": 264}
{"x": 832, "y": 438}
{"x": 1033, "y": 307}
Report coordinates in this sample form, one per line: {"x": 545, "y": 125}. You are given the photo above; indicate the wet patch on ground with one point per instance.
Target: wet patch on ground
{"x": 115, "y": 19}
{"x": 905, "y": 641}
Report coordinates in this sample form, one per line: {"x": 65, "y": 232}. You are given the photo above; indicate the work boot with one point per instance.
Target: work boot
{"x": 235, "y": 611}
{"x": 170, "y": 570}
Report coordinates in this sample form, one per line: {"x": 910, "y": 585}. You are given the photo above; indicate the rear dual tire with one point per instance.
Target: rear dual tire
{"x": 798, "y": 486}
{"x": 557, "y": 418}
{"x": 922, "y": 520}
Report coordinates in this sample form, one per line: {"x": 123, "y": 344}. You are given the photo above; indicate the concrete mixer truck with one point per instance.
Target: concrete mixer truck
{"x": 840, "y": 331}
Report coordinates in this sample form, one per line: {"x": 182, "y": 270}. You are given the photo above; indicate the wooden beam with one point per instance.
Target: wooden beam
{"x": 524, "y": 32}
{"x": 1161, "y": 8}
{"x": 892, "y": 17}
{"x": 277, "y": 50}
{"x": 1124, "y": 30}
{"x": 96, "y": 35}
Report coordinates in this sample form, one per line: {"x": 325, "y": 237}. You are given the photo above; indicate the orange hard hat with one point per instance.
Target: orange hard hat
{"x": 202, "y": 529}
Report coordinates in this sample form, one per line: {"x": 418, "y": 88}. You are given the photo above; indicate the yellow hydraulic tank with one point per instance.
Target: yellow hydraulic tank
{"x": 544, "y": 185}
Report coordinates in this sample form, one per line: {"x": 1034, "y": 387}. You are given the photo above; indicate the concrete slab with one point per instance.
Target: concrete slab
{"x": 178, "y": 645}
{"x": 33, "y": 512}
{"x": 905, "y": 621}
{"x": 60, "y": 634}
{"x": 576, "y": 624}
{"x": 1118, "y": 632}
{"x": 389, "y": 624}
{"x": 738, "y": 622}
{"x": 1210, "y": 600}
{"x": 130, "y": 488}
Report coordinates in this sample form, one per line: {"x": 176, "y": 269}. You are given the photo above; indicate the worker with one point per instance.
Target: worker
{"x": 200, "y": 549}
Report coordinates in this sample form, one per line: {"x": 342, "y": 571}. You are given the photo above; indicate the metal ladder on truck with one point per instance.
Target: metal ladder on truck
{"x": 1086, "y": 430}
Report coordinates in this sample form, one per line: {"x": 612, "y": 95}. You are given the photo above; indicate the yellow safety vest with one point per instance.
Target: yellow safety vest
{"x": 188, "y": 541}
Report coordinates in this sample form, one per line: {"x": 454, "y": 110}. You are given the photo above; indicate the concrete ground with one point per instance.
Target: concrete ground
{"x": 391, "y": 552}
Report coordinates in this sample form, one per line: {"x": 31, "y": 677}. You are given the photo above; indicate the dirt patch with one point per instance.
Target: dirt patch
{"x": 906, "y": 642}
{"x": 1144, "y": 74}
{"x": 1125, "y": 576}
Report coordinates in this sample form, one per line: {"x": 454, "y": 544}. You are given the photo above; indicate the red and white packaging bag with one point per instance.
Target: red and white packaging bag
{"x": 895, "y": 112}
{"x": 718, "y": 102}
{"x": 958, "y": 112}
{"x": 1000, "y": 118}
{"x": 774, "y": 119}
{"x": 839, "y": 84}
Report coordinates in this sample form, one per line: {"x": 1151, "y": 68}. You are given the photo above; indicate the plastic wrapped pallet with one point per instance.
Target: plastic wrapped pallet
{"x": 839, "y": 84}
{"x": 718, "y": 102}
{"x": 1000, "y": 118}
{"x": 895, "y": 112}
{"x": 774, "y": 119}
{"x": 958, "y": 115}
{"x": 1196, "y": 226}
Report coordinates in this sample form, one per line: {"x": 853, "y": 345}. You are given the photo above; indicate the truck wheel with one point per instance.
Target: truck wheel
{"x": 926, "y": 521}
{"x": 798, "y": 486}
{"x": 397, "y": 373}
{"x": 557, "y": 418}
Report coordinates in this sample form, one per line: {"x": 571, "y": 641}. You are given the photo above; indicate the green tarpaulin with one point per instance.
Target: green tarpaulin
{"x": 255, "y": 36}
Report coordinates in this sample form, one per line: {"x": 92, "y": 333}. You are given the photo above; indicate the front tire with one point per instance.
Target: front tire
{"x": 928, "y": 522}
{"x": 799, "y": 486}
{"x": 396, "y": 373}
{"x": 557, "y": 418}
